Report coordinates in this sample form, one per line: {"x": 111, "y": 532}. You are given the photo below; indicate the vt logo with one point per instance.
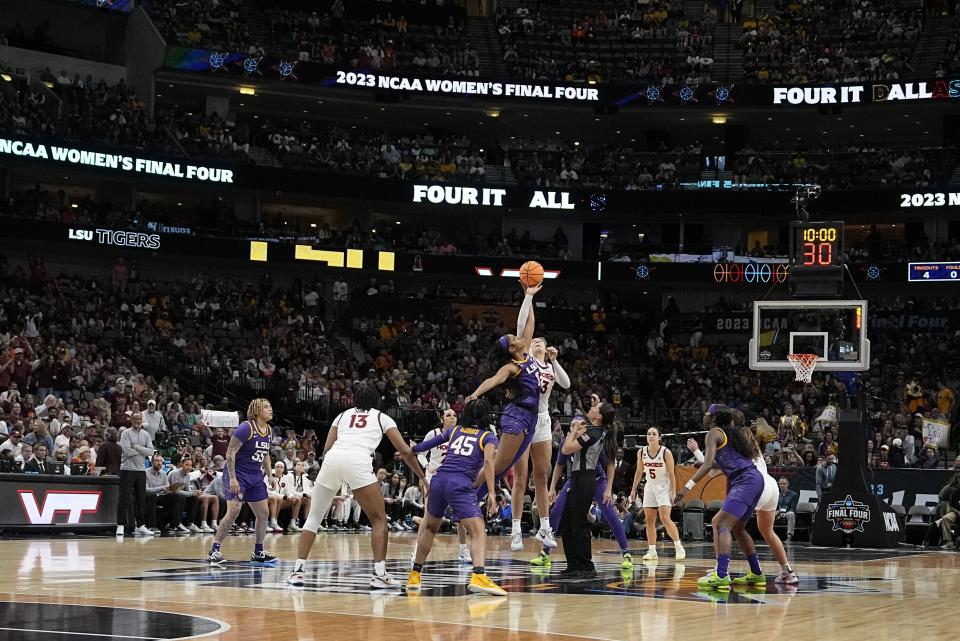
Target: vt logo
{"x": 74, "y": 503}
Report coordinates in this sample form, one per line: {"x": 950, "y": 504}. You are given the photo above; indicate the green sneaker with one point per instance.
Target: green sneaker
{"x": 542, "y": 560}
{"x": 751, "y": 579}
{"x": 627, "y": 562}
{"x": 714, "y": 582}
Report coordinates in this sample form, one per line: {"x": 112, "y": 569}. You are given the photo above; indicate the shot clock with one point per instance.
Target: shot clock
{"x": 816, "y": 258}
{"x": 818, "y": 244}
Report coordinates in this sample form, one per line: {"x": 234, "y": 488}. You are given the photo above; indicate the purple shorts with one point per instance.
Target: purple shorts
{"x": 518, "y": 420}
{"x": 251, "y": 490}
{"x": 455, "y": 491}
{"x": 743, "y": 493}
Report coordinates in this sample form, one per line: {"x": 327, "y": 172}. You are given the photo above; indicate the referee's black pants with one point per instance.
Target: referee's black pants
{"x": 576, "y": 527}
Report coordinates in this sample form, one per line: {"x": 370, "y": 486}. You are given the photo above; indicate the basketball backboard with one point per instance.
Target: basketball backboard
{"x": 834, "y": 330}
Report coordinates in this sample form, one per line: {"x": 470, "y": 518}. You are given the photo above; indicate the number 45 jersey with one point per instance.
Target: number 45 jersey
{"x": 464, "y": 450}
{"x": 361, "y": 430}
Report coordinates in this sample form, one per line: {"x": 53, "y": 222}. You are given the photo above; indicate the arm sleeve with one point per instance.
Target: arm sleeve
{"x": 561, "y": 458}
{"x": 563, "y": 379}
{"x": 524, "y": 314}
{"x": 431, "y": 443}
{"x": 592, "y": 436}
{"x": 602, "y": 461}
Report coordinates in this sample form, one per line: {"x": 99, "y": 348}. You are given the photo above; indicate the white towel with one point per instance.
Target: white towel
{"x": 213, "y": 418}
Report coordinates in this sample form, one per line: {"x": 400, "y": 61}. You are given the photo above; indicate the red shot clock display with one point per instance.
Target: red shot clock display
{"x": 818, "y": 244}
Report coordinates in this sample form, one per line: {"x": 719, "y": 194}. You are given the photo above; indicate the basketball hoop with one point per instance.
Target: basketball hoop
{"x": 804, "y": 365}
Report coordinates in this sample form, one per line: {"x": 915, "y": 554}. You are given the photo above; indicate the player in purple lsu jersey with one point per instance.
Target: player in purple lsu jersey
{"x": 471, "y": 447}
{"x": 731, "y": 448}
{"x": 518, "y": 372}
{"x": 246, "y": 465}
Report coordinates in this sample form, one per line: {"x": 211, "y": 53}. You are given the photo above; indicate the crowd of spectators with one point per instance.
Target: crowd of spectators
{"x": 607, "y": 42}
{"x": 81, "y": 109}
{"x": 361, "y": 35}
{"x": 337, "y": 148}
{"x": 949, "y": 64}
{"x": 837, "y": 167}
{"x": 831, "y": 41}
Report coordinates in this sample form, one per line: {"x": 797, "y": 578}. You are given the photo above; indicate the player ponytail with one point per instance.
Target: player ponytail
{"x": 366, "y": 398}
{"x": 477, "y": 413}
{"x": 608, "y": 415}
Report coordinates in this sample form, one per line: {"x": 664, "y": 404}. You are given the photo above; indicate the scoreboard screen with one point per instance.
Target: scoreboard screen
{"x": 933, "y": 272}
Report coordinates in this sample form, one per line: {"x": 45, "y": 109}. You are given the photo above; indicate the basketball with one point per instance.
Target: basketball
{"x": 531, "y": 273}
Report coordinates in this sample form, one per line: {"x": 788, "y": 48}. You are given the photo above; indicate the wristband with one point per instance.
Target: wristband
{"x": 689, "y": 484}
{"x": 698, "y": 456}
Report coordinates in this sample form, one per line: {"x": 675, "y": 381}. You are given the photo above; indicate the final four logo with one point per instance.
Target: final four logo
{"x": 848, "y": 516}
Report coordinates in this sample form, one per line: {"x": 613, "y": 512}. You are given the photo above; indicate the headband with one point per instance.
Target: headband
{"x": 504, "y": 342}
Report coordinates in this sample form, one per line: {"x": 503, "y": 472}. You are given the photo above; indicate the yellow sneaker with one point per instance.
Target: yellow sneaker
{"x": 413, "y": 581}
{"x": 481, "y": 583}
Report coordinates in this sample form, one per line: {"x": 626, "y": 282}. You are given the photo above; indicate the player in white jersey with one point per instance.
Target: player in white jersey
{"x": 348, "y": 454}
{"x": 541, "y": 447}
{"x": 656, "y": 462}
{"x": 766, "y": 515}
{"x": 431, "y": 461}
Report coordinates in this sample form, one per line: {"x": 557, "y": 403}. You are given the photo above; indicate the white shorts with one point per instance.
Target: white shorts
{"x": 353, "y": 468}
{"x": 656, "y": 495}
{"x": 544, "y": 430}
{"x": 770, "y": 496}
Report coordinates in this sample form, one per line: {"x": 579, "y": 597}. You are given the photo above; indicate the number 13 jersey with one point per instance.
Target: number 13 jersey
{"x": 361, "y": 430}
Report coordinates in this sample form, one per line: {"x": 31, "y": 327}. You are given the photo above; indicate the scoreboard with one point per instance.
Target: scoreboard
{"x": 933, "y": 272}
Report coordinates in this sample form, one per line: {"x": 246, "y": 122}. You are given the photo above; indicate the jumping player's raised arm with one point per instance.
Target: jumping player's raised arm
{"x": 525, "y": 318}
{"x": 502, "y": 376}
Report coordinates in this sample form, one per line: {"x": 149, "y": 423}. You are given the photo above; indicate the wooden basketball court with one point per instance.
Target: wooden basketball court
{"x": 99, "y": 589}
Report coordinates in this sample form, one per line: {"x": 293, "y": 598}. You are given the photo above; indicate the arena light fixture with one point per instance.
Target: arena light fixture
{"x": 493, "y": 113}
{"x": 718, "y": 119}
{"x": 248, "y": 91}
{"x": 48, "y": 85}
{"x": 6, "y": 77}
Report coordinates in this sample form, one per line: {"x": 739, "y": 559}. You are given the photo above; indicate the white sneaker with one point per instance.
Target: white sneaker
{"x": 194, "y": 529}
{"x": 651, "y": 555}
{"x": 295, "y": 528}
{"x": 182, "y": 528}
{"x": 545, "y": 536}
{"x": 295, "y": 579}
{"x": 276, "y": 527}
{"x": 119, "y": 530}
{"x": 789, "y": 578}
{"x": 464, "y": 557}
{"x": 384, "y": 582}
{"x": 516, "y": 541}
{"x": 215, "y": 525}
{"x": 143, "y": 530}
{"x": 206, "y": 529}
{"x": 681, "y": 554}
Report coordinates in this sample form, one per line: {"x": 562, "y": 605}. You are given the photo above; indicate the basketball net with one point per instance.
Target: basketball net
{"x": 803, "y": 365}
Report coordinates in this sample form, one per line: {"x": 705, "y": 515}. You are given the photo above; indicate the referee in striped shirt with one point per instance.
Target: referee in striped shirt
{"x": 583, "y": 445}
